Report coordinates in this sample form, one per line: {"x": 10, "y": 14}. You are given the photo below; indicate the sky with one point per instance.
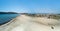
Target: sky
{"x": 30, "y": 6}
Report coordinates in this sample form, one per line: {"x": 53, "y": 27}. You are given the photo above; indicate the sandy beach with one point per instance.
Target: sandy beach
{"x": 27, "y": 23}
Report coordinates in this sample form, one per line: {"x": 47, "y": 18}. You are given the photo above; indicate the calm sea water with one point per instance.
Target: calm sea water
{"x": 4, "y": 18}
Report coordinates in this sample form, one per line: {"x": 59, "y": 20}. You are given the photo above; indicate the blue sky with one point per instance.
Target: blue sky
{"x": 30, "y": 6}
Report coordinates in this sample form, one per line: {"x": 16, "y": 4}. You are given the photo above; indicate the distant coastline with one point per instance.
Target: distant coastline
{"x": 8, "y": 13}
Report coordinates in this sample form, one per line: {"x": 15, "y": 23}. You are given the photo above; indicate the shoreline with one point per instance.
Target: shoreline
{"x": 25, "y": 20}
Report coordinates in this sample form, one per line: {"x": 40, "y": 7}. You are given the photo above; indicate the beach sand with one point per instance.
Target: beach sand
{"x": 27, "y": 23}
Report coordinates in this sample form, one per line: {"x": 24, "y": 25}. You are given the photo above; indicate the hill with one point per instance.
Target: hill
{"x": 8, "y": 13}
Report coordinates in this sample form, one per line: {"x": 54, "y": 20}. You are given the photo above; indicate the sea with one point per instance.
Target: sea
{"x": 5, "y": 18}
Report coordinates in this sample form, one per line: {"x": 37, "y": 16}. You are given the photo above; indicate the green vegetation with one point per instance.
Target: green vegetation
{"x": 53, "y": 16}
{"x": 56, "y": 17}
